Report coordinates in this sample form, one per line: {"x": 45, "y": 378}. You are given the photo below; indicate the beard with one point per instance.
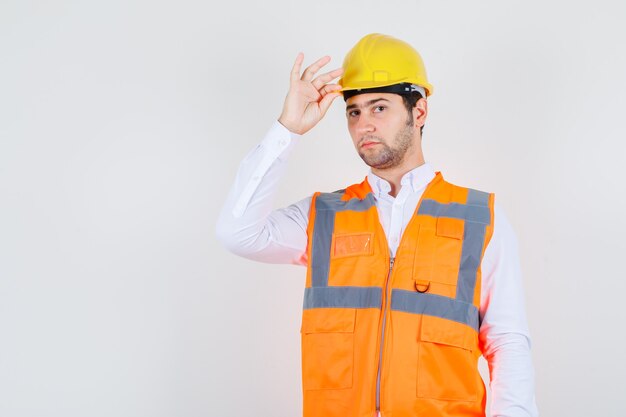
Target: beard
{"x": 386, "y": 156}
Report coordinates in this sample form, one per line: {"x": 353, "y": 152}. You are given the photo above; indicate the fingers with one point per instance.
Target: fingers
{"x": 319, "y": 81}
{"x": 314, "y": 67}
{"x": 329, "y": 93}
{"x": 329, "y": 88}
{"x": 295, "y": 71}
{"x": 327, "y": 101}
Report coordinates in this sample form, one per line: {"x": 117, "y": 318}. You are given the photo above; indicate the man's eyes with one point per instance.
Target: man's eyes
{"x": 376, "y": 110}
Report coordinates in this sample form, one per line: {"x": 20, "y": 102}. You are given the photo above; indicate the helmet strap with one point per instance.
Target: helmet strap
{"x": 402, "y": 88}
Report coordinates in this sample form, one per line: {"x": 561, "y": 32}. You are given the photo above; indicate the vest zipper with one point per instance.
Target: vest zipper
{"x": 382, "y": 335}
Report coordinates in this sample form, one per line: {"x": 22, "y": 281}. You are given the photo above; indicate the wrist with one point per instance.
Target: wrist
{"x": 287, "y": 125}
{"x": 280, "y": 125}
{"x": 282, "y": 122}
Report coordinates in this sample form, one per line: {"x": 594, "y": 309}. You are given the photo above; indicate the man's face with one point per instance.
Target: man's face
{"x": 381, "y": 128}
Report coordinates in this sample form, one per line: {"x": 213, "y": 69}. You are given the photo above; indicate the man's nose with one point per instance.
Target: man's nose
{"x": 365, "y": 125}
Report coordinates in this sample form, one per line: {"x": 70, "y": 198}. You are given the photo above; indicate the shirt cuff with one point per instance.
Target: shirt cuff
{"x": 278, "y": 138}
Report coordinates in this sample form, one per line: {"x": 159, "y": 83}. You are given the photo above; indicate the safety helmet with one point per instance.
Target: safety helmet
{"x": 381, "y": 63}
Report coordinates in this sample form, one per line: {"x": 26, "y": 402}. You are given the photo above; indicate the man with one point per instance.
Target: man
{"x": 409, "y": 277}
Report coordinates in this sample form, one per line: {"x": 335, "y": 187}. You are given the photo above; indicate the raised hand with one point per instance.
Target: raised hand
{"x": 308, "y": 99}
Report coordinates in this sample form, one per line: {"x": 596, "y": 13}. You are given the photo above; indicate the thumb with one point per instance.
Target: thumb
{"x": 327, "y": 101}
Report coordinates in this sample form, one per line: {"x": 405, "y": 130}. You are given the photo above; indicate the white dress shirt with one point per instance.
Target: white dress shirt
{"x": 249, "y": 226}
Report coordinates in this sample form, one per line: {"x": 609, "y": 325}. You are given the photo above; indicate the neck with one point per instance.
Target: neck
{"x": 393, "y": 175}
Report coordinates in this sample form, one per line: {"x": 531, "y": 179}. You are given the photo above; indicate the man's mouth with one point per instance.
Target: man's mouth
{"x": 369, "y": 144}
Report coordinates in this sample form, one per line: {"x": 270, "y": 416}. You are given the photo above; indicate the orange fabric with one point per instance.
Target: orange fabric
{"x": 429, "y": 364}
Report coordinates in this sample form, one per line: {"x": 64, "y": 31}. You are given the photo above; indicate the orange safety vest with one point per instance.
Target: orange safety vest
{"x": 399, "y": 335}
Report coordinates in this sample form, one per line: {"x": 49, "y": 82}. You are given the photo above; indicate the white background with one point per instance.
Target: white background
{"x": 121, "y": 127}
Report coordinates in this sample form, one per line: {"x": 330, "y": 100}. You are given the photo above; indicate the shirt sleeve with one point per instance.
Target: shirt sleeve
{"x": 248, "y": 225}
{"x": 503, "y": 334}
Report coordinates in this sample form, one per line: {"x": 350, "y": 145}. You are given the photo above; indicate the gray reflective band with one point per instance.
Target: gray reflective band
{"x": 326, "y": 205}
{"x": 476, "y": 215}
{"x": 353, "y": 297}
{"x": 320, "y": 249}
{"x": 435, "y": 305}
{"x": 473, "y": 242}
{"x": 334, "y": 203}
{"x": 477, "y": 198}
{"x": 471, "y": 213}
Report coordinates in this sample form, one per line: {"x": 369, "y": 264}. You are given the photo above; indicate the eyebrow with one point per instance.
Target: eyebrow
{"x": 367, "y": 103}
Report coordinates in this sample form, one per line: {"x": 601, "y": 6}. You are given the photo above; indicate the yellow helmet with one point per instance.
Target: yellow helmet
{"x": 379, "y": 60}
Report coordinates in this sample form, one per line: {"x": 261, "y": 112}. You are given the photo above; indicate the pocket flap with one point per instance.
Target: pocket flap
{"x": 448, "y": 227}
{"x": 447, "y": 332}
{"x": 328, "y": 320}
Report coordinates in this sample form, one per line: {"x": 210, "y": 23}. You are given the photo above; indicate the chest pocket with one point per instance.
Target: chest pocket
{"x": 352, "y": 244}
{"x": 448, "y": 241}
{"x": 327, "y": 348}
{"x": 438, "y": 255}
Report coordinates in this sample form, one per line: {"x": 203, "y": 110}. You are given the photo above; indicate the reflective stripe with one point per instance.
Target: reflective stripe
{"x": 354, "y": 297}
{"x": 435, "y": 305}
{"x": 473, "y": 240}
{"x": 334, "y": 203}
{"x": 471, "y": 213}
{"x": 477, "y": 198}
{"x": 320, "y": 249}
{"x": 471, "y": 252}
{"x": 477, "y": 216}
{"x": 326, "y": 205}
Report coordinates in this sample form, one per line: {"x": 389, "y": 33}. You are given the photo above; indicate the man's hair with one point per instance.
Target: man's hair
{"x": 409, "y": 100}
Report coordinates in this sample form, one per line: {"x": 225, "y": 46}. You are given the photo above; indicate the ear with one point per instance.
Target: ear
{"x": 420, "y": 111}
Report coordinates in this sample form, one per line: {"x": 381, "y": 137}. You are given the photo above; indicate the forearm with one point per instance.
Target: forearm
{"x": 512, "y": 377}
{"x": 247, "y": 224}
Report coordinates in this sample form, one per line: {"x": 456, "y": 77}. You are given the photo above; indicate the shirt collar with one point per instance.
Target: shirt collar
{"x": 416, "y": 179}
